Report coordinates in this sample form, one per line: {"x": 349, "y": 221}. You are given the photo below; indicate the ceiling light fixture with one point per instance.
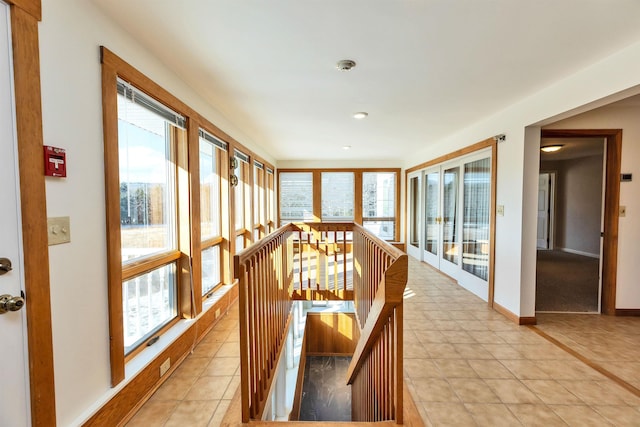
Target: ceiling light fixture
{"x": 345, "y": 65}
{"x": 360, "y": 115}
{"x": 551, "y": 148}
{"x": 346, "y": 147}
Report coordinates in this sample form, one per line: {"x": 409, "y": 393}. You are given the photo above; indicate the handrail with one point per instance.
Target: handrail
{"x": 263, "y": 271}
{"x": 323, "y": 261}
{"x": 376, "y": 372}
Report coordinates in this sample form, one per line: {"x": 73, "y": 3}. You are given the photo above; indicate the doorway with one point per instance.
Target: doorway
{"x": 450, "y": 218}
{"x": 585, "y": 231}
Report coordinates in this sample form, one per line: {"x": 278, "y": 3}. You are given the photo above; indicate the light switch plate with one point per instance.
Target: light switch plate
{"x": 500, "y": 210}
{"x": 59, "y": 230}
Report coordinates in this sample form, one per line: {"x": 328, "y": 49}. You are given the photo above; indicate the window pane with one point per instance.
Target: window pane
{"x": 383, "y": 229}
{"x": 209, "y": 190}
{"x": 337, "y": 196}
{"x": 450, "y": 215}
{"x": 239, "y": 243}
{"x": 296, "y": 197}
{"x": 431, "y": 218}
{"x": 414, "y": 201}
{"x": 210, "y": 268}
{"x": 149, "y": 302}
{"x": 240, "y": 194}
{"x": 147, "y": 181}
{"x": 475, "y": 233}
{"x": 378, "y": 194}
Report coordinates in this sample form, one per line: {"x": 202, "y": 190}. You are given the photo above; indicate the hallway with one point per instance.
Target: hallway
{"x": 465, "y": 365}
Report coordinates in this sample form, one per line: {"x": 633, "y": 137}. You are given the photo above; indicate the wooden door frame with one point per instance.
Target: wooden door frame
{"x": 611, "y": 205}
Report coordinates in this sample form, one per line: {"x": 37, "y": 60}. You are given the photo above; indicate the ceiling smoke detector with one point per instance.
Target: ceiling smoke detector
{"x": 345, "y": 65}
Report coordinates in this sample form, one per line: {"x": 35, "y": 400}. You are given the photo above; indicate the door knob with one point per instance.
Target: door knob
{"x": 5, "y": 266}
{"x": 9, "y": 303}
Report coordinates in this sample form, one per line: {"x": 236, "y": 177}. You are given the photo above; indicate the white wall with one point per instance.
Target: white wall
{"x": 627, "y": 119}
{"x": 578, "y": 208}
{"x": 70, "y": 35}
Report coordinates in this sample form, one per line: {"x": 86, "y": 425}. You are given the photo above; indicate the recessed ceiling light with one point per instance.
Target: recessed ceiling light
{"x": 551, "y": 148}
{"x": 345, "y": 65}
{"x": 346, "y": 147}
{"x": 360, "y": 115}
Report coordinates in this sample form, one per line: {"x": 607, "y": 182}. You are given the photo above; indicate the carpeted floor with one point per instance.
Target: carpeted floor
{"x": 566, "y": 282}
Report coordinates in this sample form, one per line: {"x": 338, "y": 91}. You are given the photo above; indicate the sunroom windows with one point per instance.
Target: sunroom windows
{"x": 369, "y": 197}
{"x": 147, "y": 136}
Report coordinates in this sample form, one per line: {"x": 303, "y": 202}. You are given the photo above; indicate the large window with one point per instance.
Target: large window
{"x": 379, "y": 203}
{"x": 296, "y": 197}
{"x": 212, "y": 153}
{"x": 365, "y": 196}
{"x": 147, "y": 137}
{"x": 171, "y": 229}
{"x": 338, "y": 196}
{"x": 475, "y": 223}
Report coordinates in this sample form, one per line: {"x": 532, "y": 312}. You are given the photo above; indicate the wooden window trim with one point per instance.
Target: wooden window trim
{"x": 317, "y": 191}
{"x": 189, "y": 255}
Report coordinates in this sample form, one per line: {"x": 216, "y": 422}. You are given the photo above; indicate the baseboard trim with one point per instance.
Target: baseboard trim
{"x": 576, "y": 252}
{"x": 627, "y": 312}
{"x": 514, "y": 317}
{"x": 126, "y": 402}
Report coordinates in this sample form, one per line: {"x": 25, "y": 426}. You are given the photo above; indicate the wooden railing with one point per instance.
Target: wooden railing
{"x": 375, "y": 372}
{"x": 264, "y": 274}
{"x": 324, "y": 261}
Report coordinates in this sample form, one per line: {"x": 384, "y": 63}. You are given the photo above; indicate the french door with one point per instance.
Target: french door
{"x": 449, "y": 219}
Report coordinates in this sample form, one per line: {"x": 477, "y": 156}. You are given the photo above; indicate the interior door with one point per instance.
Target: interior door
{"x": 414, "y": 217}
{"x": 450, "y": 248}
{"x": 432, "y": 217}
{"x": 542, "y": 238}
{"x": 14, "y": 392}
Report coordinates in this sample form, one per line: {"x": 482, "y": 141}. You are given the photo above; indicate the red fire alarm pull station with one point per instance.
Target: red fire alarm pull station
{"x": 55, "y": 162}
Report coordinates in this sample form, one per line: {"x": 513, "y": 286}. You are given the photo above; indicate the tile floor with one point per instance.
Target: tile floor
{"x": 465, "y": 365}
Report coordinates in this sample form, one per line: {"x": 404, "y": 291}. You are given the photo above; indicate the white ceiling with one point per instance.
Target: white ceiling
{"x": 425, "y": 67}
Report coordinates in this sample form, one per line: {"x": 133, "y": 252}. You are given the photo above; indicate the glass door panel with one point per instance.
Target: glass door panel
{"x": 432, "y": 210}
{"x": 450, "y": 246}
{"x": 414, "y": 193}
{"x": 413, "y": 231}
{"x": 475, "y": 229}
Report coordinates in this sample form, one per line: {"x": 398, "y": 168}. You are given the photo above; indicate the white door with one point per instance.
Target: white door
{"x": 432, "y": 217}
{"x": 543, "y": 211}
{"x": 414, "y": 218}
{"x": 14, "y": 391}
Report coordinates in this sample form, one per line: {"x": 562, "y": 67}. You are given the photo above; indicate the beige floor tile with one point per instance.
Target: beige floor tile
{"x": 421, "y": 368}
{"x": 620, "y": 416}
{"x": 492, "y": 414}
{"x": 486, "y": 337}
{"x": 175, "y": 388}
{"x": 218, "y": 415}
{"x": 503, "y": 351}
{"x": 208, "y": 388}
{"x": 232, "y": 387}
{"x": 153, "y": 413}
{"x": 192, "y": 366}
{"x": 433, "y": 390}
{"x": 443, "y": 351}
{"x": 414, "y": 350}
{"x": 525, "y": 369}
{"x": 593, "y": 392}
{"x": 512, "y": 391}
{"x": 490, "y": 369}
{"x": 532, "y": 415}
{"x": 552, "y": 392}
{"x": 207, "y": 348}
{"x": 580, "y": 416}
{"x": 224, "y": 366}
{"x": 192, "y": 414}
{"x": 448, "y": 414}
{"x": 456, "y": 368}
{"x": 229, "y": 349}
{"x": 473, "y": 390}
